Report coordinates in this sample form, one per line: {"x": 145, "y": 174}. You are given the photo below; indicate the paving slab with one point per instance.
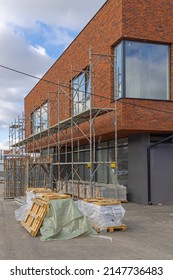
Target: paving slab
{"x": 149, "y": 236}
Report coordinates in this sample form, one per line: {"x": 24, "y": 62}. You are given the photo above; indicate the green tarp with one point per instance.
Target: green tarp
{"x": 64, "y": 221}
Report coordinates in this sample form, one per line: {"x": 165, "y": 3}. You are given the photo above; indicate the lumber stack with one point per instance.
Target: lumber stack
{"x": 37, "y": 211}
{"x": 51, "y": 196}
{"x": 102, "y": 201}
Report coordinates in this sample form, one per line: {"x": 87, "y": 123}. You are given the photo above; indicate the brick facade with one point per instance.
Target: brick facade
{"x": 145, "y": 20}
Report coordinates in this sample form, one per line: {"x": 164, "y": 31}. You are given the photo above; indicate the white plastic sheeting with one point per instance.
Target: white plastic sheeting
{"x": 102, "y": 217}
{"x": 21, "y": 213}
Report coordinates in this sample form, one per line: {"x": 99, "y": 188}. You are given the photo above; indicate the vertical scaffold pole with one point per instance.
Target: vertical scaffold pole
{"x": 72, "y": 135}
{"x": 91, "y": 126}
{"x": 59, "y": 144}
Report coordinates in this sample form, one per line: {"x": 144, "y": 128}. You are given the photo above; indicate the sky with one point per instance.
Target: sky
{"x": 33, "y": 34}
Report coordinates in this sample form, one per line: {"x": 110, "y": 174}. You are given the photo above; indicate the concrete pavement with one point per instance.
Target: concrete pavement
{"x": 149, "y": 236}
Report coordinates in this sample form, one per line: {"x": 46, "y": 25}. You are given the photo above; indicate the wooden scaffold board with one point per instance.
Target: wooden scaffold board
{"x": 102, "y": 201}
{"x": 52, "y": 196}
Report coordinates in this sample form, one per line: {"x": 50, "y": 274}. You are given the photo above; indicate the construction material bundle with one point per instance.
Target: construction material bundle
{"x": 83, "y": 189}
{"x": 55, "y": 215}
{"x": 103, "y": 214}
{"x": 31, "y": 194}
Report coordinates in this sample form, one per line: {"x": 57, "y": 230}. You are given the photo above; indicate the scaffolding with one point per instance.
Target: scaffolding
{"x": 54, "y": 152}
{"x": 1, "y": 166}
{"x": 16, "y": 135}
{"x": 24, "y": 169}
{"x": 16, "y": 162}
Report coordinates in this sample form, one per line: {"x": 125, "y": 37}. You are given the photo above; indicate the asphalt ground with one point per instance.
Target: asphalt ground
{"x": 149, "y": 236}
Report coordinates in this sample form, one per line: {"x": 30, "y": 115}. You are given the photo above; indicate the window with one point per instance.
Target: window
{"x": 81, "y": 92}
{"x": 142, "y": 70}
{"x": 44, "y": 116}
{"x": 118, "y": 71}
{"x": 39, "y": 119}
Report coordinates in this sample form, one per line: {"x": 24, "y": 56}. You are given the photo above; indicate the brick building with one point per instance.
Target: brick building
{"x": 120, "y": 65}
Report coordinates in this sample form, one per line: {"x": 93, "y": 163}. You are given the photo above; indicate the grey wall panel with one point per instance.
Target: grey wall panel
{"x": 137, "y": 168}
{"x": 123, "y": 165}
{"x": 162, "y": 173}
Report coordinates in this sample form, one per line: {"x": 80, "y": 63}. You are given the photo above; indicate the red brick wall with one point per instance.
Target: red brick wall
{"x": 148, "y": 19}
{"x": 99, "y": 34}
{"x": 138, "y": 19}
{"x": 146, "y": 115}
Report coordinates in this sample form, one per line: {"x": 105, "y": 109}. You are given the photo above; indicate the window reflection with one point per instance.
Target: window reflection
{"x": 81, "y": 93}
{"x": 146, "y": 70}
{"x": 145, "y": 73}
{"x": 39, "y": 119}
{"x": 118, "y": 71}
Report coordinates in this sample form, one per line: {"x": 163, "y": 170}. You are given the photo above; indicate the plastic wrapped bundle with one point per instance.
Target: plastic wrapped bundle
{"x": 21, "y": 213}
{"x": 100, "y": 216}
{"x": 111, "y": 191}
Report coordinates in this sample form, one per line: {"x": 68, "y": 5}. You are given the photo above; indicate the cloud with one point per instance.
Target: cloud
{"x": 39, "y": 50}
{"x": 53, "y": 39}
{"x": 33, "y": 34}
{"x": 67, "y": 13}
{"x": 16, "y": 53}
{"x": 4, "y": 145}
{"x": 7, "y": 111}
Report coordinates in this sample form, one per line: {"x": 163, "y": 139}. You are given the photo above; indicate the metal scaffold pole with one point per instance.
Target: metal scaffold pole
{"x": 95, "y": 59}
{"x": 91, "y": 126}
{"x": 59, "y": 144}
{"x": 62, "y": 133}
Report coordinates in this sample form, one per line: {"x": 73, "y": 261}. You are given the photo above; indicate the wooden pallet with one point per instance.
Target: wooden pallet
{"x": 35, "y": 216}
{"x": 123, "y": 227}
{"x": 124, "y": 201}
{"x": 51, "y": 196}
{"x": 102, "y": 201}
{"x": 39, "y": 190}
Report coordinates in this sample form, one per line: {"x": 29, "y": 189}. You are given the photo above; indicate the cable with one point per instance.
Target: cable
{"x": 144, "y": 107}
{"x": 47, "y": 81}
{"x": 26, "y": 74}
{"x": 96, "y": 95}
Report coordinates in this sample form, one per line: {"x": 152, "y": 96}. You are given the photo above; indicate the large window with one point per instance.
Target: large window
{"x": 81, "y": 92}
{"x": 142, "y": 70}
{"x": 118, "y": 71}
{"x": 39, "y": 119}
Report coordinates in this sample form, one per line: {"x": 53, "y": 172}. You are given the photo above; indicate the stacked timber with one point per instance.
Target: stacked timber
{"x": 32, "y": 212}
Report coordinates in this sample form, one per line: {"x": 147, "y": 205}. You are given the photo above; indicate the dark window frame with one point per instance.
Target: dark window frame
{"x": 40, "y": 127}
{"x": 122, "y": 43}
{"x": 86, "y": 92}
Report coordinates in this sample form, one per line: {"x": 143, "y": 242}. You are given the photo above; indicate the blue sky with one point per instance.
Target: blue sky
{"x": 33, "y": 35}
{"x": 54, "y": 39}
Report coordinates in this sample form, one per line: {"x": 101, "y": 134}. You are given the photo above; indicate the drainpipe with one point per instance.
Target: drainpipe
{"x": 149, "y": 164}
